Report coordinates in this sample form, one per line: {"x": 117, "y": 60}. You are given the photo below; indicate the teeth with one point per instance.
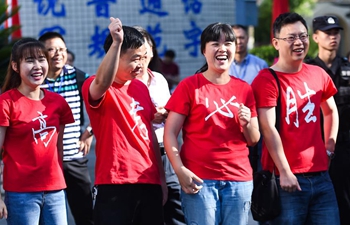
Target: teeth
{"x": 221, "y": 58}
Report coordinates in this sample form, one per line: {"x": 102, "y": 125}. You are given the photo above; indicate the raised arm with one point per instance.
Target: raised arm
{"x": 108, "y": 68}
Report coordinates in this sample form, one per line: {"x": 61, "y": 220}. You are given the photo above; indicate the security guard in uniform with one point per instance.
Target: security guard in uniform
{"x": 327, "y": 36}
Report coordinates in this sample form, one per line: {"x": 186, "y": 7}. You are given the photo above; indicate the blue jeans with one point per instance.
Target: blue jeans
{"x": 315, "y": 204}
{"x": 218, "y": 202}
{"x": 29, "y": 208}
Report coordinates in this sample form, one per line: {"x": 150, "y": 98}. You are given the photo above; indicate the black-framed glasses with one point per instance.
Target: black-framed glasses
{"x": 54, "y": 50}
{"x": 292, "y": 38}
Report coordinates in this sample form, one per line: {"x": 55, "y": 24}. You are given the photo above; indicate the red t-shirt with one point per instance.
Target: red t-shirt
{"x": 300, "y": 127}
{"x": 30, "y": 155}
{"x": 214, "y": 146}
{"x": 121, "y": 123}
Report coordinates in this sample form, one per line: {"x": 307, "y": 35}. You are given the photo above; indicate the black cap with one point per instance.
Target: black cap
{"x": 325, "y": 23}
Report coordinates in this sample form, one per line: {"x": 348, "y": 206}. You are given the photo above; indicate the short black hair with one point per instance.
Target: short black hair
{"x": 287, "y": 18}
{"x": 132, "y": 39}
{"x": 50, "y": 35}
{"x": 170, "y": 53}
{"x": 237, "y": 26}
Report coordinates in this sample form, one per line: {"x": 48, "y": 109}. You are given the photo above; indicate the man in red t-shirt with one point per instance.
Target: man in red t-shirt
{"x": 129, "y": 173}
{"x": 296, "y": 151}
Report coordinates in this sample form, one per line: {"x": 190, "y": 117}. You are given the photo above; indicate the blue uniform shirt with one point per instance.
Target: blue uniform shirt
{"x": 248, "y": 69}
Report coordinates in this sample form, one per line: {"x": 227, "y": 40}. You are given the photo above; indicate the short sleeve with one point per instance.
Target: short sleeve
{"x": 265, "y": 89}
{"x": 66, "y": 115}
{"x": 180, "y": 100}
{"x": 4, "y": 113}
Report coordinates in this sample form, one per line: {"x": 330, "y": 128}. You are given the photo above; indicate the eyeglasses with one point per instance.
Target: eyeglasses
{"x": 292, "y": 38}
{"x": 54, "y": 50}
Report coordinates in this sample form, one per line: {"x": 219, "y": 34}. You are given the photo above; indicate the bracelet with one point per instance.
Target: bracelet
{"x": 89, "y": 129}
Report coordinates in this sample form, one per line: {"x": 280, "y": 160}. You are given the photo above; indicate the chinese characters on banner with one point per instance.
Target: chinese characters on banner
{"x": 174, "y": 24}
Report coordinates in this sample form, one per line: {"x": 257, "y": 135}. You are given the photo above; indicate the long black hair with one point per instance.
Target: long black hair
{"x": 23, "y": 48}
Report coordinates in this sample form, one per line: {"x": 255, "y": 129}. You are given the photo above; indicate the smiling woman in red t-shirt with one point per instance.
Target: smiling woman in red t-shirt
{"x": 217, "y": 115}
{"x": 31, "y": 135}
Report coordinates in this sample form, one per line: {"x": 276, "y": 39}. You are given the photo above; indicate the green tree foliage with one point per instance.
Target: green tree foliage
{"x": 5, "y": 38}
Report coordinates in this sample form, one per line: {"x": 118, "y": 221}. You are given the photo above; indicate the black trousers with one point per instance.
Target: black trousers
{"x": 129, "y": 204}
{"x": 339, "y": 172}
{"x": 173, "y": 214}
{"x": 79, "y": 194}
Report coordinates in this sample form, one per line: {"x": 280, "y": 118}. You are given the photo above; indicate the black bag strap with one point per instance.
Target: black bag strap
{"x": 80, "y": 76}
{"x": 278, "y": 107}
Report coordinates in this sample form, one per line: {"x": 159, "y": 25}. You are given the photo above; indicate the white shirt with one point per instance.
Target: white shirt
{"x": 159, "y": 92}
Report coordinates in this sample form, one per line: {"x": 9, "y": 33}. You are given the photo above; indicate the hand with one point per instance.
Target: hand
{"x": 244, "y": 115}
{"x": 116, "y": 29}
{"x": 3, "y": 210}
{"x": 160, "y": 115}
{"x": 85, "y": 142}
{"x": 190, "y": 183}
{"x": 289, "y": 182}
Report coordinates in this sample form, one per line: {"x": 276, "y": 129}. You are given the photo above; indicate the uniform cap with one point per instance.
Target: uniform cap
{"x": 325, "y": 23}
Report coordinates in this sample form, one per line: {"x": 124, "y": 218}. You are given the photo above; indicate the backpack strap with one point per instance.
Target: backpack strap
{"x": 278, "y": 107}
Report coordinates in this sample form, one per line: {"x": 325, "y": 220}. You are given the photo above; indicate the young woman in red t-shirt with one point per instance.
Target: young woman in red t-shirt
{"x": 30, "y": 123}
{"x": 217, "y": 115}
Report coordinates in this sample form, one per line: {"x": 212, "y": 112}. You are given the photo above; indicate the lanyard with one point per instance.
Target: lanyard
{"x": 243, "y": 68}
{"x": 52, "y": 85}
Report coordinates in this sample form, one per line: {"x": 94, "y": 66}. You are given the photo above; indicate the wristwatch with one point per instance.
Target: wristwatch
{"x": 89, "y": 129}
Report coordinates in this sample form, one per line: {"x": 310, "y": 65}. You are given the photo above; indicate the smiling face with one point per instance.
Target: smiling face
{"x": 32, "y": 70}
{"x": 291, "y": 51}
{"x": 131, "y": 64}
{"x": 219, "y": 54}
{"x": 57, "y": 52}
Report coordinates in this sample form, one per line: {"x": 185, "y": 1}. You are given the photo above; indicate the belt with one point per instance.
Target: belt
{"x": 310, "y": 174}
